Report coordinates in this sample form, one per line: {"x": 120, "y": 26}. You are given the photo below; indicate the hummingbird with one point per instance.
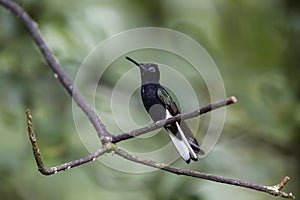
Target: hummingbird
{"x": 160, "y": 105}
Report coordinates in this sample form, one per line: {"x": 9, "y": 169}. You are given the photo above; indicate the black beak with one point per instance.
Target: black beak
{"x": 134, "y": 61}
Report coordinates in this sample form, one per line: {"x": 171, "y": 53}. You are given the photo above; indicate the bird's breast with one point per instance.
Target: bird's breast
{"x": 151, "y": 101}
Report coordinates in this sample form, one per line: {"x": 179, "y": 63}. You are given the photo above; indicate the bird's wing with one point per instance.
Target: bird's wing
{"x": 167, "y": 100}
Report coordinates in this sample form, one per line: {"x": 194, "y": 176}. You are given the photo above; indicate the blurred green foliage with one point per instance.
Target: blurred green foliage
{"x": 255, "y": 45}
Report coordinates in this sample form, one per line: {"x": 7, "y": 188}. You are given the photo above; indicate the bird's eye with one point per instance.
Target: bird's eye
{"x": 151, "y": 69}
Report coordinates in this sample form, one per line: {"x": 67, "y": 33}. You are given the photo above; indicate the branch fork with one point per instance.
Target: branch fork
{"x": 276, "y": 189}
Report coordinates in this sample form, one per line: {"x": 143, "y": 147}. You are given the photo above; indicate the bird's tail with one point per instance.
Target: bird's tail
{"x": 181, "y": 148}
{"x": 184, "y": 140}
{"x": 186, "y": 145}
{"x": 191, "y": 138}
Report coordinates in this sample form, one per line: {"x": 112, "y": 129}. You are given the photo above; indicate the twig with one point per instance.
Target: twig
{"x": 276, "y": 189}
{"x": 53, "y": 170}
{"x": 162, "y": 123}
{"x": 33, "y": 29}
{"x": 108, "y": 147}
{"x": 273, "y": 190}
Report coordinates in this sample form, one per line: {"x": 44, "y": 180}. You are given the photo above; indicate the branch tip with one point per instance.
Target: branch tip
{"x": 276, "y": 189}
{"x": 233, "y": 99}
{"x": 28, "y": 115}
{"x": 283, "y": 182}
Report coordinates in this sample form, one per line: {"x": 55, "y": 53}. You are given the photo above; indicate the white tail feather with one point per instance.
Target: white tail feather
{"x": 182, "y": 146}
{"x": 191, "y": 151}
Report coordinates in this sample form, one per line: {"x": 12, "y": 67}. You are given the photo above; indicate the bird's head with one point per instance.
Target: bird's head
{"x": 149, "y": 71}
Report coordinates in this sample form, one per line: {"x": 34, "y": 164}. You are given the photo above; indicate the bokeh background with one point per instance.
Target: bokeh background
{"x": 255, "y": 45}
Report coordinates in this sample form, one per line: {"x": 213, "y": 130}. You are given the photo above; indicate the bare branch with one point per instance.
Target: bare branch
{"x": 33, "y": 29}
{"x": 52, "y": 170}
{"x": 273, "y": 190}
{"x": 108, "y": 147}
{"x": 162, "y": 123}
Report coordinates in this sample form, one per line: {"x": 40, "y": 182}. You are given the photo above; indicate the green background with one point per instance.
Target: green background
{"x": 255, "y": 45}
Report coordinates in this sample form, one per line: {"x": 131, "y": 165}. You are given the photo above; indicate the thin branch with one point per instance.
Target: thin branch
{"x": 33, "y": 29}
{"x": 273, "y": 190}
{"x": 62, "y": 167}
{"x": 108, "y": 147}
{"x": 162, "y": 123}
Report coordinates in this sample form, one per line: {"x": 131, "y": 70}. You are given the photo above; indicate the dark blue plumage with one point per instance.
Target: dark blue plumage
{"x": 160, "y": 105}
